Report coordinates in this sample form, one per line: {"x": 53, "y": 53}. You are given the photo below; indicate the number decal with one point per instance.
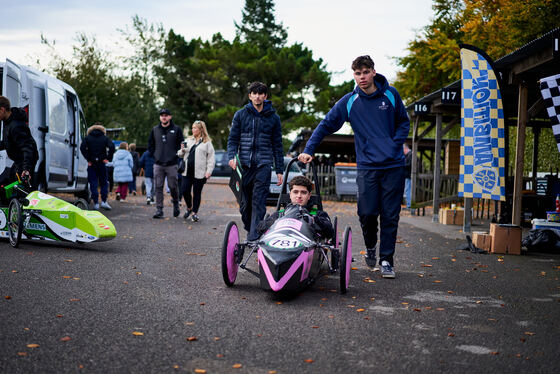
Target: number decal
{"x": 284, "y": 242}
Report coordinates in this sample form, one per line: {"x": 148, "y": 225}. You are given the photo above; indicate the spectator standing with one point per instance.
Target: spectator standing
{"x": 122, "y": 173}
{"x": 135, "y": 168}
{"x": 256, "y": 136}
{"x": 380, "y": 123}
{"x": 407, "y": 173}
{"x": 164, "y": 142}
{"x": 147, "y": 163}
{"x": 98, "y": 150}
{"x": 198, "y": 153}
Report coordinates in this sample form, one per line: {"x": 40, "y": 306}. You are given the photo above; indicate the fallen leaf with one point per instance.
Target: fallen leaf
{"x": 440, "y": 309}
{"x": 137, "y": 333}
{"x": 404, "y": 303}
{"x": 175, "y": 366}
{"x": 478, "y": 302}
{"x": 435, "y": 258}
{"x": 192, "y": 338}
{"x": 360, "y": 310}
{"x": 200, "y": 371}
{"x": 529, "y": 333}
{"x": 202, "y": 303}
{"x": 438, "y": 281}
{"x": 279, "y": 302}
{"x": 494, "y": 353}
{"x": 7, "y": 297}
{"x": 216, "y": 338}
{"x": 65, "y": 339}
{"x": 272, "y": 372}
{"x": 450, "y": 334}
{"x": 237, "y": 366}
{"x": 309, "y": 360}
{"x": 417, "y": 309}
{"x": 66, "y": 277}
{"x": 219, "y": 355}
{"x": 426, "y": 265}
{"x": 33, "y": 345}
{"x": 362, "y": 252}
{"x": 189, "y": 323}
{"x": 314, "y": 327}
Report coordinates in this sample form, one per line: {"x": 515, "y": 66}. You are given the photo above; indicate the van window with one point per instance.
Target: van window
{"x": 83, "y": 125}
{"x": 13, "y": 91}
{"x": 57, "y": 112}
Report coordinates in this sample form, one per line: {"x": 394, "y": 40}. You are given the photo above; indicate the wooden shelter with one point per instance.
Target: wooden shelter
{"x": 519, "y": 72}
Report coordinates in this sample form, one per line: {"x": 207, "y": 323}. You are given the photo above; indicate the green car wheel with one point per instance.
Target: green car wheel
{"x": 15, "y": 222}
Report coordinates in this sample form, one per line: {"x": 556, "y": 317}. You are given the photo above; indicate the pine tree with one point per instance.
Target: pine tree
{"x": 259, "y": 26}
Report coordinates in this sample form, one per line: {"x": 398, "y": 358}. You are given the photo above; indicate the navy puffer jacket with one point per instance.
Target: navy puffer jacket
{"x": 257, "y": 136}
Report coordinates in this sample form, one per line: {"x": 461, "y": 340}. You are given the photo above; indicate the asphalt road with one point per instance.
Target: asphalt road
{"x": 153, "y": 301}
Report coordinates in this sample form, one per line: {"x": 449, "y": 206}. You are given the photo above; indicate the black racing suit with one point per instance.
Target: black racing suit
{"x": 19, "y": 143}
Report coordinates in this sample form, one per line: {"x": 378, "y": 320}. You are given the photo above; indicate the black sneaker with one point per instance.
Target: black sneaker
{"x": 187, "y": 213}
{"x": 176, "y": 210}
{"x": 118, "y": 196}
{"x": 387, "y": 270}
{"x": 159, "y": 214}
{"x": 194, "y": 217}
{"x": 148, "y": 201}
{"x": 371, "y": 260}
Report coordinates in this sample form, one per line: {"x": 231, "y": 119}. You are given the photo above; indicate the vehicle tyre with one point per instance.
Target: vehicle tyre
{"x": 335, "y": 251}
{"x": 82, "y": 204}
{"x": 229, "y": 246}
{"x": 15, "y": 222}
{"x": 346, "y": 260}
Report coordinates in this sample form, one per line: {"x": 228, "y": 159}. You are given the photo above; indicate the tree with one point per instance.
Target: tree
{"x": 258, "y": 25}
{"x": 106, "y": 96}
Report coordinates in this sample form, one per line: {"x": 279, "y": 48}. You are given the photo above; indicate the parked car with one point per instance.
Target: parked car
{"x": 221, "y": 168}
{"x": 274, "y": 190}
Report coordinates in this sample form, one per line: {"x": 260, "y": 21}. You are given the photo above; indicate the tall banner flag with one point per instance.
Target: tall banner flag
{"x": 482, "y": 169}
{"x": 550, "y": 90}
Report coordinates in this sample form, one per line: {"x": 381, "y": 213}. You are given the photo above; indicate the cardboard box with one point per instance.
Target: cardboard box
{"x": 506, "y": 239}
{"x": 482, "y": 240}
{"x": 451, "y": 216}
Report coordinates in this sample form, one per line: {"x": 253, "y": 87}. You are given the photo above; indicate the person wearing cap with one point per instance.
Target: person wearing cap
{"x": 164, "y": 142}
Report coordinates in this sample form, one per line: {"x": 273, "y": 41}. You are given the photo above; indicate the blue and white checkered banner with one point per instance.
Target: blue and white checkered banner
{"x": 482, "y": 169}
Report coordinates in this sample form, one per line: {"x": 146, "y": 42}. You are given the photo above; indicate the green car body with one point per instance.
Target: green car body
{"x": 55, "y": 219}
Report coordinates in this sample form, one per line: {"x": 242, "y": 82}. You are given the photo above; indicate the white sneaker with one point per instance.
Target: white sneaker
{"x": 105, "y": 205}
{"x": 96, "y": 206}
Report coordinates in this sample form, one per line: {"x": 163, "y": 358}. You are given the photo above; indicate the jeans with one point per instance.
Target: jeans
{"x": 379, "y": 196}
{"x": 132, "y": 185}
{"x": 97, "y": 177}
{"x": 149, "y": 186}
{"x": 255, "y": 188}
{"x": 407, "y": 194}
{"x": 160, "y": 172}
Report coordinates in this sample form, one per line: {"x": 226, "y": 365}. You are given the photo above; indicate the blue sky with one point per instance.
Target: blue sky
{"x": 335, "y": 31}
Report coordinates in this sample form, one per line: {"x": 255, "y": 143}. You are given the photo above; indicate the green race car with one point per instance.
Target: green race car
{"x": 40, "y": 216}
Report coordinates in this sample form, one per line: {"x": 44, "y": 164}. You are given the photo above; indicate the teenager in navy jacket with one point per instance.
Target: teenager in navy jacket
{"x": 380, "y": 123}
{"x": 256, "y": 136}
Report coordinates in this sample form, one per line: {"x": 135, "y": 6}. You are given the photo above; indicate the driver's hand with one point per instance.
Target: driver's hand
{"x": 233, "y": 164}
{"x": 305, "y": 158}
{"x": 25, "y": 176}
{"x": 280, "y": 179}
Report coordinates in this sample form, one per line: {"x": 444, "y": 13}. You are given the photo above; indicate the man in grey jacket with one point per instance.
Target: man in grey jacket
{"x": 164, "y": 142}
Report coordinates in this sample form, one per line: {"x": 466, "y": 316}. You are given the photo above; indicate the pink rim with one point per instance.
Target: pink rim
{"x": 348, "y": 259}
{"x": 233, "y": 239}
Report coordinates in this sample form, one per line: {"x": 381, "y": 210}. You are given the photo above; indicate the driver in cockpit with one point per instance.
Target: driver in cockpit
{"x": 300, "y": 193}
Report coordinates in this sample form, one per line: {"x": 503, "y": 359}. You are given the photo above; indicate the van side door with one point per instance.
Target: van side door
{"x": 58, "y": 146}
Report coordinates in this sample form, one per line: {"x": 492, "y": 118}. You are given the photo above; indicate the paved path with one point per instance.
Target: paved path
{"x": 130, "y": 305}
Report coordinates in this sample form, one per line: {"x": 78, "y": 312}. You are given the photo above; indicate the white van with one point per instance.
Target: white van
{"x": 56, "y": 121}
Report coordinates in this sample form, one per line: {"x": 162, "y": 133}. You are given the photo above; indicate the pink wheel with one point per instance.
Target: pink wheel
{"x": 346, "y": 260}
{"x": 229, "y": 260}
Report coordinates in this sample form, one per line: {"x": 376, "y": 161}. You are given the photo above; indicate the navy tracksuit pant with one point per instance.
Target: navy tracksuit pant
{"x": 255, "y": 188}
{"x": 379, "y": 196}
{"x": 97, "y": 177}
